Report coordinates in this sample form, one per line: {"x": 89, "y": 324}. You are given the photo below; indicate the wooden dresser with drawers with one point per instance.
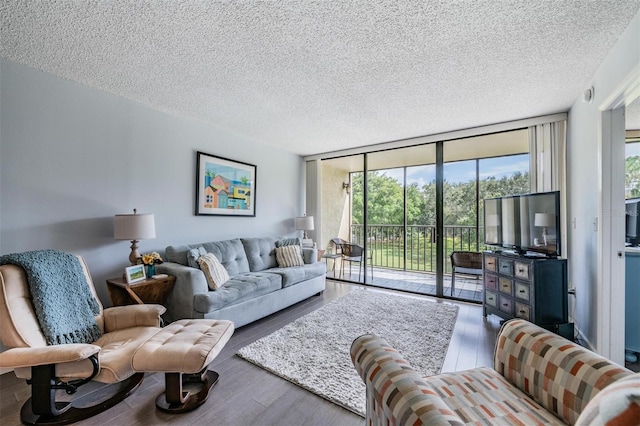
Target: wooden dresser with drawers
{"x": 534, "y": 289}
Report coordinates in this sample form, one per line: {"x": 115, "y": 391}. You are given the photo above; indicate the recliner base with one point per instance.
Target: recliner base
{"x": 70, "y": 413}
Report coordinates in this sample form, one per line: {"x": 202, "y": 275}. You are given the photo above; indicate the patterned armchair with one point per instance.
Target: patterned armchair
{"x": 538, "y": 378}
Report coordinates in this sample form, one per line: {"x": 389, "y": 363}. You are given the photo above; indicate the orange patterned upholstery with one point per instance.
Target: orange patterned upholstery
{"x": 538, "y": 378}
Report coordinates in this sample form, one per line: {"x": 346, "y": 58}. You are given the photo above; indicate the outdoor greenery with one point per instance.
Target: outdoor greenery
{"x": 386, "y": 209}
{"x": 386, "y": 200}
{"x": 632, "y": 177}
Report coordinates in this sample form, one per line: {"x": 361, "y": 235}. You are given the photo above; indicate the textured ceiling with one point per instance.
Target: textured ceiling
{"x": 319, "y": 76}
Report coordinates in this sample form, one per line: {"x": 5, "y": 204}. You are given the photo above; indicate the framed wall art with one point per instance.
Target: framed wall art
{"x": 224, "y": 187}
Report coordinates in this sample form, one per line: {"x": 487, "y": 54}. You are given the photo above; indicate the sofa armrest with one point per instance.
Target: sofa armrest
{"x": 45, "y": 355}
{"x": 558, "y": 374}
{"x": 121, "y": 317}
{"x": 189, "y": 282}
{"x": 309, "y": 255}
{"x": 396, "y": 393}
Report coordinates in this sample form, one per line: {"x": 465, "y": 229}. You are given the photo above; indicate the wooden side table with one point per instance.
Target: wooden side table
{"x": 148, "y": 291}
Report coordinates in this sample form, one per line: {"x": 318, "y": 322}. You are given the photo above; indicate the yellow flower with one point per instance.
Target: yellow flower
{"x": 151, "y": 258}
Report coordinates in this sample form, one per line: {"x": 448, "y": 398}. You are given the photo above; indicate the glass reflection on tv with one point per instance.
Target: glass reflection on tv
{"x": 524, "y": 223}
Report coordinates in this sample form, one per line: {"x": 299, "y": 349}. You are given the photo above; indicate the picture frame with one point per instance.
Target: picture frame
{"x": 135, "y": 273}
{"x": 224, "y": 187}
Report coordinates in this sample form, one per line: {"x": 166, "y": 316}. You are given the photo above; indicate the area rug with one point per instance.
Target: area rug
{"x": 313, "y": 351}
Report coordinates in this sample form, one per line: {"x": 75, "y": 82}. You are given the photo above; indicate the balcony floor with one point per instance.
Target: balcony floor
{"x": 467, "y": 287}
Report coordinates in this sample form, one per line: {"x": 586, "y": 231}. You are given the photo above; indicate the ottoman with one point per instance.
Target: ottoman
{"x": 183, "y": 350}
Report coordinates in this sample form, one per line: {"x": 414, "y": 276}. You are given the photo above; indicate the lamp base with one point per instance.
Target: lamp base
{"x": 135, "y": 254}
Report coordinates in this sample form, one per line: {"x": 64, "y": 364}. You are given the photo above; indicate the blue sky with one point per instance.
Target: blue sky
{"x": 464, "y": 171}
{"x": 632, "y": 149}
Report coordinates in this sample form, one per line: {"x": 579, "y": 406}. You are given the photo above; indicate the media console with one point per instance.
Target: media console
{"x": 531, "y": 288}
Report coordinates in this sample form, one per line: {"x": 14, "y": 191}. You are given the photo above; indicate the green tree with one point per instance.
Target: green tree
{"x": 632, "y": 177}
{"x": 386, "y": 199}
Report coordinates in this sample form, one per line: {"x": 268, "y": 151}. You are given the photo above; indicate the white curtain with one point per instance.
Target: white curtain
{"x": 548, "y": 166}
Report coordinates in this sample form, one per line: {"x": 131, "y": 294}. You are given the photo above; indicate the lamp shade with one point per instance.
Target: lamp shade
{"x": 544, "y": 219}
{"x": 304, "y": 223}
{"x": 134, "y": 227}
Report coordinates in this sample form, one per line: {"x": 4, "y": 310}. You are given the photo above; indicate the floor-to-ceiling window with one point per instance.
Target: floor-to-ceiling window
{"x": 392, "y": 201}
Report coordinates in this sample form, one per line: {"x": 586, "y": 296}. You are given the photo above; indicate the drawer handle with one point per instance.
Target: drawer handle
{"x": 521, "y": 311}
{"x": 522, "y": 291}
{"x": 520, "y": 270}
{"x": 505, "y": 304}
{"x": 505, "y": 285}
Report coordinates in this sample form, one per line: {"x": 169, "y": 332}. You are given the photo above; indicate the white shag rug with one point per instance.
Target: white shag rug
{"x": 314, "y": 351}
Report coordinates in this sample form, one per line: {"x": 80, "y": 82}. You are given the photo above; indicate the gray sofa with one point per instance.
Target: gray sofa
{"x": 257, "y": 287}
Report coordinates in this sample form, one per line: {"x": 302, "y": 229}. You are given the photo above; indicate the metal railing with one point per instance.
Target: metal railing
{"x": 415, "y": 249}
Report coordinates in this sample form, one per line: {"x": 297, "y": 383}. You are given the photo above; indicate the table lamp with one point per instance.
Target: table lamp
{"x": 304, "y": 224}
{"x": 134, "y": 227}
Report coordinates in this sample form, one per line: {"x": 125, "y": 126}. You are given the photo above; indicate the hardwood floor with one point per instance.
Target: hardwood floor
{"x": 248, "y": 395}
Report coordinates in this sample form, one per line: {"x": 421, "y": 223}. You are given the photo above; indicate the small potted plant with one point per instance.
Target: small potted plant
{"x": 150, "y": 260}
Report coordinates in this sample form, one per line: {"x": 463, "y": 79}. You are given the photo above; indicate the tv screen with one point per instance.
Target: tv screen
{"x": 632, "y": 221}
{"x": 524, "y": 223}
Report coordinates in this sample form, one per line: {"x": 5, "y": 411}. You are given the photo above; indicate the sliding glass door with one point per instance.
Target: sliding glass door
{"x": 400, "y": 213}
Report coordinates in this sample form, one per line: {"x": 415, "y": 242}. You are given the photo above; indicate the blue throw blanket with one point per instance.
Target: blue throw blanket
{"x": 62, "y": 299}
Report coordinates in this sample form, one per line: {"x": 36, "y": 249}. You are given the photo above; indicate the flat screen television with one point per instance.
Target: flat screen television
{"x": 632, "y": 221}
{"x": 524, "y": 223}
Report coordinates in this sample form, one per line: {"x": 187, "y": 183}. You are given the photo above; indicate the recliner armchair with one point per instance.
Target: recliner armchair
{"x": 127, "y": 331}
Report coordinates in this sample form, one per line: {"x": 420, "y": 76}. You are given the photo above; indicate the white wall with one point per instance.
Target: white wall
{"x": 71, "y": 157}
{"x": 583, "y": 134}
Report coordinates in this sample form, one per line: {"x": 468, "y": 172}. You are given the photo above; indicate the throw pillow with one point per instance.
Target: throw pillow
{"x": 616, "y": 404}
{"x": 288, "y": 256}
{"x": 193, "y": 255}
{"x": 214, "y": 270}
{"x": 289, "y": 242}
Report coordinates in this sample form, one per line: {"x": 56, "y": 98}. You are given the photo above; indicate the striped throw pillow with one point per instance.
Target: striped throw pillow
{"x": 214, "y": 271}
{"x": 288, "y": 256}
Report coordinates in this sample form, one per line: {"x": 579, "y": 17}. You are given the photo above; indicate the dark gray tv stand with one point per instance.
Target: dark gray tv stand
{"x": 532, "y": 288}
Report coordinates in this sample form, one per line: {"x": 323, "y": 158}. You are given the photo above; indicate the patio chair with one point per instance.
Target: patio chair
{"x": 336, "y": 252}
{"x": 354, "y": 253}
{"x": 465, "y": 262}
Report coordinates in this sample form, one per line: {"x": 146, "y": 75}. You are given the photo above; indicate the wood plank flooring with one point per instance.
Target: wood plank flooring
{"x": 248, "y": 395}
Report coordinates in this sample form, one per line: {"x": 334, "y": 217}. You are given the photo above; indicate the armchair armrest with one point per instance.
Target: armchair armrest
{"x": 120, "y": 317}
{"x": 396, "y": 393}
{"x": 45, "y": 355}
{"x": 525, "y": 352}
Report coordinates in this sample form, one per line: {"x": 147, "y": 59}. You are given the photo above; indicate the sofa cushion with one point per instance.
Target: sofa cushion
{"x": 260, "y": 253}
{"x": 238, "y": 289}
{"x": 297, "y": 274}
{"x": 229, "y": 252}
{"x": 213, "y": 270}
{"x": 288, "y": 256}
{"x": 480, "y": 394}
{"x": 193, "y": 255}
{"x": 288, "y": 242}
{"x": 617, "y": 404}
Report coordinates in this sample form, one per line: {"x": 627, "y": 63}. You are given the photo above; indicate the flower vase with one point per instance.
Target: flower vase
{"x": 151, "y": 270}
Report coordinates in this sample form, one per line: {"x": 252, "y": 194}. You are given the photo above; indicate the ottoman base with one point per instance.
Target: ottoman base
{"x": 177, "y": 400}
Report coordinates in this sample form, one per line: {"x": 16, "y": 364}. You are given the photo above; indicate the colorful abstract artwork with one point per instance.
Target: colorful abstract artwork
{"x": 224, "y": 187}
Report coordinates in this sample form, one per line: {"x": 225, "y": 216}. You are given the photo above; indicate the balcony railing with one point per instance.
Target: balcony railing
{"x": 389, "y": 243}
